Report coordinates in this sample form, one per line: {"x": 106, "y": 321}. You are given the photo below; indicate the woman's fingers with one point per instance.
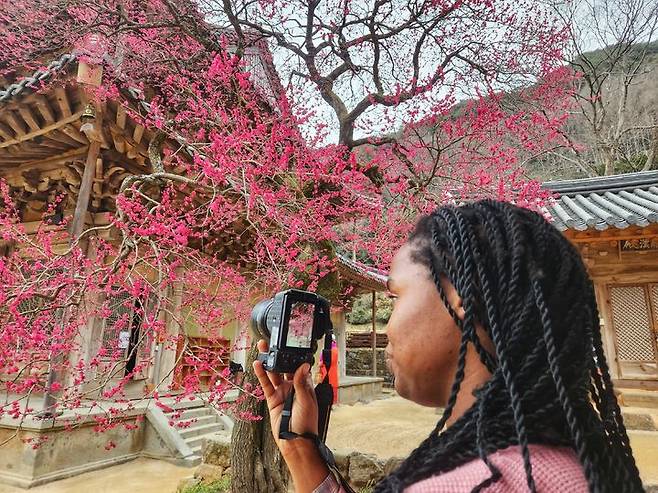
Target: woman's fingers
{"x": 304, "y": 385}
{"x": 274, "y": 379}
{"x": 264, "y": 380}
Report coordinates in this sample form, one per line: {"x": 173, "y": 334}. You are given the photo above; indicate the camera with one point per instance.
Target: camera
{"x": 292, "y": 321}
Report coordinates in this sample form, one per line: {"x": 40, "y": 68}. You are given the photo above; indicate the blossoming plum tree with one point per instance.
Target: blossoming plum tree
{"x": 386, "y": 108}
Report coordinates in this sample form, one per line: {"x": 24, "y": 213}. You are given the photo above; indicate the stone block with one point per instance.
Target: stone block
{"x": 392, "y": 464}
{"x": 208, "y": 473}
{"x": 216, "y": 452}
{"x": 342, "y": 462}
{"x": 358, "y": 362}
{"x": 364, "y": 469}
{"x": 186, "y": 483}
{"x": 637, "y": 421}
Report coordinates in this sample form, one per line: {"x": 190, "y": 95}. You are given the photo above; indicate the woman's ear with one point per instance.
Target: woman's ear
{"x": 455, "y": 301}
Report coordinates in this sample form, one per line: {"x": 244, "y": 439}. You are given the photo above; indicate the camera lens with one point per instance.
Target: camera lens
{"x": 258, "y": 322}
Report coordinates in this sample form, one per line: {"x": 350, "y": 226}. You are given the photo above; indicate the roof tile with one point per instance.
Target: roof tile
{"x": 600, "y": 203}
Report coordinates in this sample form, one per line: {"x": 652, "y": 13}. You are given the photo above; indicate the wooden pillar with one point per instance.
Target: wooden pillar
{"x": 338, "y": 319}
{"x": 167, "y": 350}
{"x": 77, "y": 225}
{"x": 374, "y": 337}
{"x": 82, "y": 203}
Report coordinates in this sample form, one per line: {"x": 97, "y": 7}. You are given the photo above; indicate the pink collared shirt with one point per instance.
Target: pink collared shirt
{"x": 554, "y": 469}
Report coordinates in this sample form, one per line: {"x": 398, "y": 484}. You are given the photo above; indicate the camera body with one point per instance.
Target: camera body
{"x": 292, "y": 321}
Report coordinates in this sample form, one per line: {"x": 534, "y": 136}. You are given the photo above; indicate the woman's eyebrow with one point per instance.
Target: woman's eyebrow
{"x": 389, "y": 281}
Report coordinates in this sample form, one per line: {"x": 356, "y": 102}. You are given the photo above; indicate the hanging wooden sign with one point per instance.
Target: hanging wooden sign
{"x": 639, "y": 244}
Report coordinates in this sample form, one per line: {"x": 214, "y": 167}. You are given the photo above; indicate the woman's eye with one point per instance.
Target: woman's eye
{"x": 391, "y": 296}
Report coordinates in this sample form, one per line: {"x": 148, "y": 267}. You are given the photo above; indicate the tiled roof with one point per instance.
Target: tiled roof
{"x": 365, "y": 276}
{"x": 600, "y": 203}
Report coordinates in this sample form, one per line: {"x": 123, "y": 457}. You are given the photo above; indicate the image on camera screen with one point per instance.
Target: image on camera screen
{"x": 300, "y": 325}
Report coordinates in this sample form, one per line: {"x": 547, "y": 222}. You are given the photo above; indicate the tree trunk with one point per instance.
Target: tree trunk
{"x": 608, "y": 161}
{"x": 652, "y": 155}
{"x": 256, "y": 464}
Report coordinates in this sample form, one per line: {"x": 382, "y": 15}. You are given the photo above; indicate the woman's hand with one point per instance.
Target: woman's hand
{"x": 306, "y": 466}
{"x": 276, "y": 388}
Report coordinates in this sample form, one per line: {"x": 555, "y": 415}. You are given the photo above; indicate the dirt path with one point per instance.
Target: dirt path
{"x": 138, "y": 476}
{"x": 392, "y": 427}
{"x": 386, "y": 427}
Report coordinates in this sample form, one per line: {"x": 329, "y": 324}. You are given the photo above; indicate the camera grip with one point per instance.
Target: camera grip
{"x": 262, "y": 357}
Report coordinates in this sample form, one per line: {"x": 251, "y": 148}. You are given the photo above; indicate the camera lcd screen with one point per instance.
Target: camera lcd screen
{"x": 300, "y": 325}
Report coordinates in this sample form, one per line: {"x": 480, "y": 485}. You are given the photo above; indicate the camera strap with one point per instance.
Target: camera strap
{"x": 324, "y": 394}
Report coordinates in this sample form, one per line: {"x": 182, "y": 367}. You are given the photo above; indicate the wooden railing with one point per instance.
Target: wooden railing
{"x": 364, "y": 340}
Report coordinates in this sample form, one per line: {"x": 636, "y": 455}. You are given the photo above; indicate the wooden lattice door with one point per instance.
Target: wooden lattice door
{"x": 124, "y": 334}
{"x": 635, "y": 323}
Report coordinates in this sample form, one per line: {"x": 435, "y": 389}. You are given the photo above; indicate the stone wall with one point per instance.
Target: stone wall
{"x": 215, "y": 464}
{"x": 64, "y": 453}
{"x": 359, "y": 363}
{"x": 359, "y": 469}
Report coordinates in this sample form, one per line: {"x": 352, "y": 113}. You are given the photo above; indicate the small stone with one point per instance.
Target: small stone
{"x": 216, "y": 452}
{"x": 392, "y": 464}
{"x": 364, "y": 469}
{"x": 342, "y": 458}
{"x": 186, "y": 483}
{"x": 635, "y": 421}
{"x": 227, "y": 471}
{"x": 208, "y": 473}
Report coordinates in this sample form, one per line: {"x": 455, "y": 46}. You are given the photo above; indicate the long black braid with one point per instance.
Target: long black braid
{"x": 527, "y": 287}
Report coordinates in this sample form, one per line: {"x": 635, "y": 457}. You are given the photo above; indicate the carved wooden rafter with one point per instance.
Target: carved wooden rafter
{"x": 42, "y": 148}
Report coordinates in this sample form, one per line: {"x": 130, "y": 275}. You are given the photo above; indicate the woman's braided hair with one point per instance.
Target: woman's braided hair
{"x": 527, "y": 287}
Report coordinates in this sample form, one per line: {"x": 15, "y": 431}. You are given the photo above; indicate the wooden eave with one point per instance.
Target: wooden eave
{"x": 42, "y": 147}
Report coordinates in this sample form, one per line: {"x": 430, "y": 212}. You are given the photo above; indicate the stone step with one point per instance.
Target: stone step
{"x": 196, "y": 442}
{"x": 640, "y": 418}
{"x": 200, "y": 421}
{"x": 639, "y": 398}
{"x": 191, "y": 460}
{"x": 195, "y": 431}
{"x": 194, "y": 412}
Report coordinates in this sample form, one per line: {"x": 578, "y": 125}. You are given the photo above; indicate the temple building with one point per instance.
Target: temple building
{"x": 613, "y": 221}
{"x": 57, "y": 141}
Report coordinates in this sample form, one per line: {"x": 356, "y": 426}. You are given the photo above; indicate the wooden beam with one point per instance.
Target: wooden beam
{"x": 374, "y": 336}
{"x": 43, "y": 106}
{"x": 60, "y": 136}
{"x": 97, "y": 186}
{"x": 15, "y": 125}
{"x": 5, "y": 132}
{"x": 142, "y": 149}
{"x": 63, "y": 101}
{"x": 82, "y": 203}
{"x": 129, "y": 164}
{"x": 648, "y": 233}
{"x": 121, "y": 116}
{"x": 138, "y": 133}
{"x": 74, "y": 133}
{"x": 119, "y": 142}
{"x": 27, "y": 115}
{"x": 65, "y": 156}
{"x": 48, "y": 141}
{"x": 41, "y": 131}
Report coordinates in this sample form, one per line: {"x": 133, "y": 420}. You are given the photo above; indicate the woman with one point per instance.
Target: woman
{"x": 494, "y": 319}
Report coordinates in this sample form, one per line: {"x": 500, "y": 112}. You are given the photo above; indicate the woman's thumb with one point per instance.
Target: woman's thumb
{"x": 303, "y": 382}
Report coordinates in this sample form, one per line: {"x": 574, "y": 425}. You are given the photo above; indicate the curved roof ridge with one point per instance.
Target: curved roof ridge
{"x": 613, "y": 183}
